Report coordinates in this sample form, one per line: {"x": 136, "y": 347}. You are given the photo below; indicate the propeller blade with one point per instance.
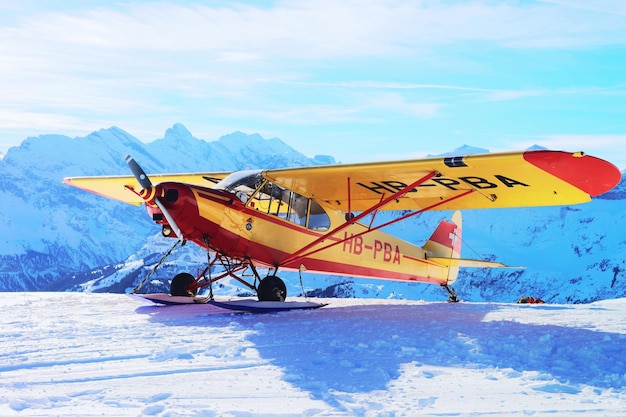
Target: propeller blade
{"x": 138, "y": 172}
{"x": 170, "y": 219}
{"x": 145, "y": 182}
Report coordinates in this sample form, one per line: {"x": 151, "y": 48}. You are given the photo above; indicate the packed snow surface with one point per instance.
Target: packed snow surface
{"x": 81, "y": 354}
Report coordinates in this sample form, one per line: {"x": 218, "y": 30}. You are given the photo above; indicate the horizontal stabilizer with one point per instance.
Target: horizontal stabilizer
{"x": 469, "y": 263}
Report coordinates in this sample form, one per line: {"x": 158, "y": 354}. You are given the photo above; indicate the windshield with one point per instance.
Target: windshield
{"x": 241, "y": 183}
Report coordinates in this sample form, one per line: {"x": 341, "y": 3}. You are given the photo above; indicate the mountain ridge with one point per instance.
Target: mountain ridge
{"x": 60, "y": 238}
{"x": 52, "y": 230}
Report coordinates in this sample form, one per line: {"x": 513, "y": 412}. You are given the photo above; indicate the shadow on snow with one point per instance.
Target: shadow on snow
{"x": 363, "y": 348}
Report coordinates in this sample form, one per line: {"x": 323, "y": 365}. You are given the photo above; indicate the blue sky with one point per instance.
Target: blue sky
{"x": 359, "y": 80}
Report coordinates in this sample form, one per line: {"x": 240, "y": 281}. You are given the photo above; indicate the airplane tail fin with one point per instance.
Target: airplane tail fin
{"x": 444, "y": 248}
{"x": 445, "y": 244}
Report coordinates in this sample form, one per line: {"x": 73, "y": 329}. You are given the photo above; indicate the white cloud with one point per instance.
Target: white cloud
{"x": 312, "y": 29}
{"x": 131, "y": 64}
{"x": 505, "y": 95}
{"x": 613, "y": 7}
{"x": 164, "y": 39}
{"x": 390, "y": 85}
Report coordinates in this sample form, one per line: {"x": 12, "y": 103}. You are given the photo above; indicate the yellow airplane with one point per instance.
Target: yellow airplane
{"x": 310, "y": 218}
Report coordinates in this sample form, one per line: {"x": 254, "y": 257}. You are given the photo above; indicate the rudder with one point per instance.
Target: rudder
{"x": 445, "y": 242}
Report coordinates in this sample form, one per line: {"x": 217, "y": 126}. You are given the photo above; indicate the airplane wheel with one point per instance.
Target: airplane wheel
{"x": 271, "y": 288}
{"x": 179, "y": 285}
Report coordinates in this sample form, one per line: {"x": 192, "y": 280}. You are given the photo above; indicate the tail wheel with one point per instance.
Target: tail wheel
{"x": 271, "y": 288}
{"x": 180, "y": 283}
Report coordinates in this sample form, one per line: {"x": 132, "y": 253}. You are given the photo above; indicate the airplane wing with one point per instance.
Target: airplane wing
{"x": 513, "y": 179}
{"x": 121, "y": 187}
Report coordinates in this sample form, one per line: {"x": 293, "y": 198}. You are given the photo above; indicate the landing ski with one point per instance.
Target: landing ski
{"x": 244, "y": 305}
{"x": 166, "y": 299}
{"x": 254, "y": 306}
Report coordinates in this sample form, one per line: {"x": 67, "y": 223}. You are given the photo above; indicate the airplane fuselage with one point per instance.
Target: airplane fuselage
{"x": 243, "y": 230}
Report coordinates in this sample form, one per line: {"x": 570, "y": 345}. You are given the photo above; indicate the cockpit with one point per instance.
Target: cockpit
{"x": 262, "y": 195}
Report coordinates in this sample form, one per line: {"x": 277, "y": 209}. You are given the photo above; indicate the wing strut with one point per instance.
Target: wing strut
{"x": 302, "y": 255}
{"x": 351, "y": 220}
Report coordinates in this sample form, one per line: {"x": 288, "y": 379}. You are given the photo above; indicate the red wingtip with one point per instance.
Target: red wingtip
{"x": 592, "y": 175}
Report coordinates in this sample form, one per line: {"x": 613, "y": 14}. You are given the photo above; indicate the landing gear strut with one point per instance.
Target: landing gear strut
{"x": 453, "y": 298}
{"x": 271, "y": 288}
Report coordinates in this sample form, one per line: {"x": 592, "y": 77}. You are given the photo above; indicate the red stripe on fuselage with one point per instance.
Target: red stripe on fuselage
{"x": 317, "y": 265}
{"x": 271, "y": 256}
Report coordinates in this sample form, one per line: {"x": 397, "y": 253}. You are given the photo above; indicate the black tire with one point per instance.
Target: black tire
{"x": 179, "y": 285}
{"x": 271, "y": 288}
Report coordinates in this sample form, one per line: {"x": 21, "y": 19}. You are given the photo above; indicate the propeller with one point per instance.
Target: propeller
{"x": 145, "y": 183}
{"x": 138, "y": 172}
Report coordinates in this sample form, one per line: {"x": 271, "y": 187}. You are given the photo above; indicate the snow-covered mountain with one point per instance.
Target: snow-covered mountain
{"x": 51, "y": 230}
{"x": 60, "y": 238}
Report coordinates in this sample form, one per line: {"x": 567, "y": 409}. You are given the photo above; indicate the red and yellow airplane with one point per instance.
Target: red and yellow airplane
{"x": 309, "y": 218}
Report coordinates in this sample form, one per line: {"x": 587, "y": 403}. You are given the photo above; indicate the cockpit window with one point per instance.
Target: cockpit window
{"x": 318, "y": 219}
{"x": 277, "y": 201}
{"x": 264, "y": 196}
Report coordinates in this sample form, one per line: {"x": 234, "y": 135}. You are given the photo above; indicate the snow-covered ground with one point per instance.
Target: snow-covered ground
{"x": 105, "y": 354}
